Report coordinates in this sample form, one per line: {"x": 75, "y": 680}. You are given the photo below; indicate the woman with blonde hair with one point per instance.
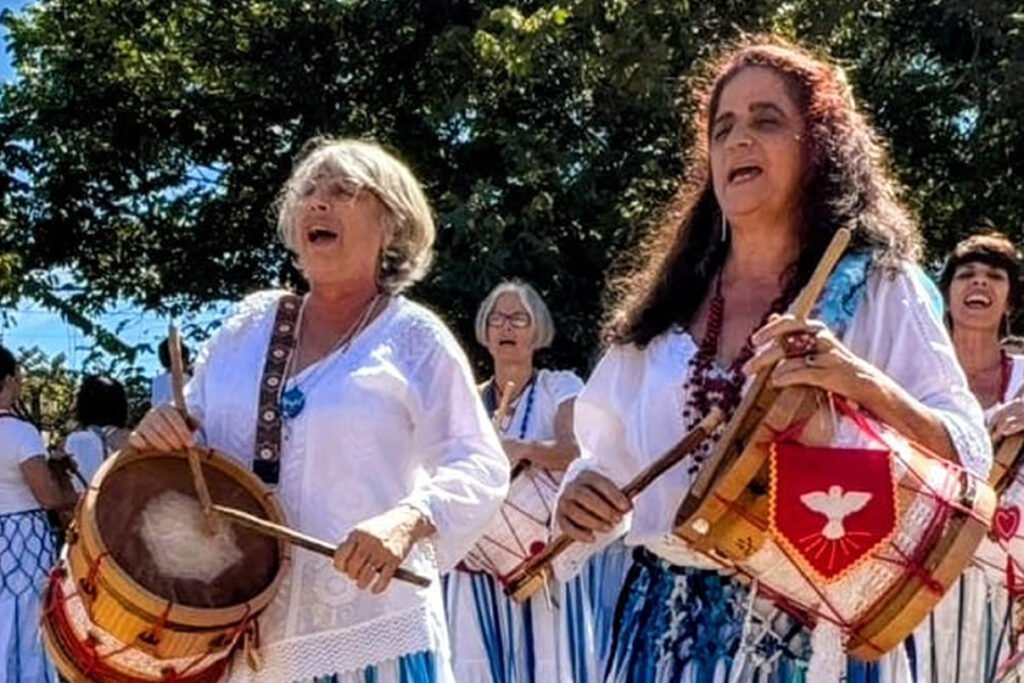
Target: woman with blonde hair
{"x": 372, "y": 432}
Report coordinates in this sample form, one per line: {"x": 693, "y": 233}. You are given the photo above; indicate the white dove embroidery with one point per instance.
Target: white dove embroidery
{"x": 836, "y": 506}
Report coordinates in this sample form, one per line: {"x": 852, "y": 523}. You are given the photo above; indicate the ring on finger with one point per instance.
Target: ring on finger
{"x": 799, "y": 343}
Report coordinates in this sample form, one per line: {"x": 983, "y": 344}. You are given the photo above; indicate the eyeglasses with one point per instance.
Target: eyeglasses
{"x": 338, "y": 188}
{"x": 519, "y": 321}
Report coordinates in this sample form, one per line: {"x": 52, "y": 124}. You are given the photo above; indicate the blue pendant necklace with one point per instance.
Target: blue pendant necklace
{"x": 293, "y": 399}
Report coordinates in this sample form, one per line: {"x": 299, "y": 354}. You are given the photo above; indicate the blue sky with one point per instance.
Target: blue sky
{"x": 32, "y": 326}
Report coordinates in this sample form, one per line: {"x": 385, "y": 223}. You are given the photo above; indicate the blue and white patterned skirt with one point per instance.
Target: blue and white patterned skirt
{"x": 495, "y": 639}
{"x": 26, "y": 556}
{"x": 686, "y": 625}
{"x": 604, "y": 575}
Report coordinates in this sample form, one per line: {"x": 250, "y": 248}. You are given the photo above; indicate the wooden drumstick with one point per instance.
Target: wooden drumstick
{"x": 302, "y": 540}
{"x": 531, "y": 577}
{"x": 178, "y": 390}
{"x": 499, "y": 416}
{"x": 503, "y": 403}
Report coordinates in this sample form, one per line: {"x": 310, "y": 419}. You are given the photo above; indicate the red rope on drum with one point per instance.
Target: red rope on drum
{"x": 86, "y": 657}
{"x": 232, "y": 639}
{"x": 946, "y": 500}
{"x": 161, "y": 622}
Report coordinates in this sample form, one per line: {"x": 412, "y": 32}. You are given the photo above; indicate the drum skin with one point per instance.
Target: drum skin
{"x": 520, "y": 530}
{"x": 125, "y": 601}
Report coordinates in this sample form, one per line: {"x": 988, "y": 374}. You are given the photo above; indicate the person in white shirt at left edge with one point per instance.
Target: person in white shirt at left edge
{"x": 385, "y": 444}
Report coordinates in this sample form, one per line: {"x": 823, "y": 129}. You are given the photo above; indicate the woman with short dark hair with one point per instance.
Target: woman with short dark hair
{"x": 101, "y": 410}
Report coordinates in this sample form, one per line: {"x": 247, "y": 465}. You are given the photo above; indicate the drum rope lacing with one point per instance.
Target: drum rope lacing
{"x": 947, "y": 502}
{"x": 87, "y": 655}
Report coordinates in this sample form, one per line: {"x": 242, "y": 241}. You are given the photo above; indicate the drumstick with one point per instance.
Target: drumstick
{"x": 759, "y": 397}
{"x": 506, "y": 398}
{"x": 302, "y": 540}
{"x": 499, "y": 417}
{"x": 178, "y": 389}
{"x": 526, "y": 581}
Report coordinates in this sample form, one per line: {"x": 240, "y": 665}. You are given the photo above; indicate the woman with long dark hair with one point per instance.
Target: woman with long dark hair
{"x": 782, "y": 159}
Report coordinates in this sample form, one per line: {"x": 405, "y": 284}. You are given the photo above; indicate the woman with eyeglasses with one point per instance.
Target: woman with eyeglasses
{"x": 493, "y": 637}
{"x": 367, "y": 423}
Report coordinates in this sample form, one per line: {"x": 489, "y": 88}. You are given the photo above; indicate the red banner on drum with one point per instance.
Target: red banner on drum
{"x": 831, "y": 508}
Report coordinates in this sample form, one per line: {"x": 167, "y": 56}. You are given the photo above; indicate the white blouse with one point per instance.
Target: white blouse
{"x": 630, "y": 411}
{"x": 88, "y": 449}
{"x": 394, "y": 419}
{"x": 19, "y": 441}
{"x": 551, "y": 389}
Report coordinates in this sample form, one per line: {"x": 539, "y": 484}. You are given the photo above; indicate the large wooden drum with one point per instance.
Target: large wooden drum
{"x": 839, "y": 519}
{"x": 142, "y": 593}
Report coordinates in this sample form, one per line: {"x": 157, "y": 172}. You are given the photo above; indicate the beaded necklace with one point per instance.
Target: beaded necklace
{"x": 491, "y": 403}
{"x": 710, "y": 384}
{"x": 1005, "y": 370}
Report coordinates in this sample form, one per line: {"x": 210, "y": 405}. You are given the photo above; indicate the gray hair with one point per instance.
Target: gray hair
{"x": 543, "y": 324}
{"x": 408, "y": 223}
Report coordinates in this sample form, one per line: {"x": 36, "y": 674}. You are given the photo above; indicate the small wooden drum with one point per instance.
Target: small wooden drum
{"x": 135, "y": 599}
{"x": 838, "y": 518}
{"x": 1001, "y": 554}
{"x": 521, "y": 530}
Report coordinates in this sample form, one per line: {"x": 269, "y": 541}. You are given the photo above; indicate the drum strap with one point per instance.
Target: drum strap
{"x": 267, "y": 463}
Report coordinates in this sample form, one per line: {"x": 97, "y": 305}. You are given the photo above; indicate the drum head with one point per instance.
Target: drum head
{"x": 132, "y": 493}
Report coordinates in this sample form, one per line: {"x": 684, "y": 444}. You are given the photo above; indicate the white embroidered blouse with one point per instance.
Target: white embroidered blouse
{"x": 630, "y": 411}
{"x": 536, "y": 420}
{"x": 393, "y": 419}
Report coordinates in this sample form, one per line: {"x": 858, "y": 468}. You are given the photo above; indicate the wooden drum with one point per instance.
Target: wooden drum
{"x": 143, "y": 594}
{"x": 837, "y": 517}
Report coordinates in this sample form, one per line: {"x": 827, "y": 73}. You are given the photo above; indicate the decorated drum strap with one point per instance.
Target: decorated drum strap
{"x": 267, "y": 463}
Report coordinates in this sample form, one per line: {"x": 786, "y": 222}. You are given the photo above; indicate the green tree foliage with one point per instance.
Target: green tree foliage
{"x": 50, "y": 388}
{"x": 144, "y": 143}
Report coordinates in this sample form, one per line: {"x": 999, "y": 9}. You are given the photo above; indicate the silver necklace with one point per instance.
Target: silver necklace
{"x": 293, "y": 400}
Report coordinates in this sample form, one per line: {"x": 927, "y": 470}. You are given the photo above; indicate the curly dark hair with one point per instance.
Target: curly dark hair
{"x": 992, "y": 248}
{"x": 847, "y": 183}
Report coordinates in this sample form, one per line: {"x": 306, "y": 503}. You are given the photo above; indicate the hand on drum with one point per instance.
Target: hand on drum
{"x": 590, "y": 503}
{"x": 1008, "y": 419}
{"x": 808, "y": 354}
{"x": 163, "y": 428}
{"x": 377, "y": 546}
{"x": 516, "y": 450}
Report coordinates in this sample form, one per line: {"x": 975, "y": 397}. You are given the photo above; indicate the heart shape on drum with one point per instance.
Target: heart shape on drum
{"x": 1006, "y": 522}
